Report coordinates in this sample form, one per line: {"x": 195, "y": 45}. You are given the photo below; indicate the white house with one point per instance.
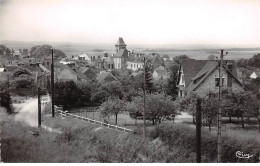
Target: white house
{"x": 134, "y": 65}
{"x": 82, "y": 57}
{"x": 255, "y": 74}
{"x": 160, "y": 73}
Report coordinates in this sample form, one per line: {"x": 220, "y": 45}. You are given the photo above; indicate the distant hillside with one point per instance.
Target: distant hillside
{"x": 196, "y": 52}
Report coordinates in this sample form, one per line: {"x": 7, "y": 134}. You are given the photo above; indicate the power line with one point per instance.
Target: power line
{"x": 220, "y": 108}
{"x": 52, "y": 84}
{"x": 144, "y": 101}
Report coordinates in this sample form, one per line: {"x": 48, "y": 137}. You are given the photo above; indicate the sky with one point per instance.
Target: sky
{"x": 156, "y": 22}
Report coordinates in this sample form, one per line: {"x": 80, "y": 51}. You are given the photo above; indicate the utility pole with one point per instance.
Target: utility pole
{"x": 52, "y": 84}
{"x": 219, "y": 141}
{"x": 39, "y": 107}
{"x": 198, "y": 130}
{"x": 144, "y": 100}
{"x": 8, "y": 84}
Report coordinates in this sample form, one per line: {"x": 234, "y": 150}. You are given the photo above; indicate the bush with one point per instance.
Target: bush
{"x": 184, "y": 137}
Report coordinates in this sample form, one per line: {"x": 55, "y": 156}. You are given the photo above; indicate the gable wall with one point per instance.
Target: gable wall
{"x": 209, "y": 84}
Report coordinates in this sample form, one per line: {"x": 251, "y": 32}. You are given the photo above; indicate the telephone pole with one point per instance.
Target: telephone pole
{"x": 219, "y": 141}
{"x": 198, "y": 130}
{"x": 144, "y": 100}
{"x": 52, "y": 84}
{"x": 39, "y": 107}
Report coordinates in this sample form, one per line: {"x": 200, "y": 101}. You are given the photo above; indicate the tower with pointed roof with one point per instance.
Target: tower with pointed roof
{"x": 120, "y": 44}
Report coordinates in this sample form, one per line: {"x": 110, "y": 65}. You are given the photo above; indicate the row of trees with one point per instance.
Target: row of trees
{"x": 239, "y": 104}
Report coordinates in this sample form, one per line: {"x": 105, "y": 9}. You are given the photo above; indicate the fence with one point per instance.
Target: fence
{"x": 65, "y": 114}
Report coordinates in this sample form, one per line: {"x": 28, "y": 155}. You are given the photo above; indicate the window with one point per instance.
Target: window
{"x": 217, "y": 81}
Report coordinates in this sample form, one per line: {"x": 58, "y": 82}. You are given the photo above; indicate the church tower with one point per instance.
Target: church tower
{"x": 120, "y": 44}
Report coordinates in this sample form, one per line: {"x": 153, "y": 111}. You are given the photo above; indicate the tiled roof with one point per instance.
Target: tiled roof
{"x": 202, "y": 75}
{"x": 123, "y": 53}
{"x": 120, "y": 42}
{"x": 83, "y": 69}
{"x": 196, "y": 71}
{"x": 105, "y": 77}
{"x": 191, "y": 68}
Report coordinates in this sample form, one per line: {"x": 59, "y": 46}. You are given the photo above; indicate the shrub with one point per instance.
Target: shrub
{"x": 184, "y": 137}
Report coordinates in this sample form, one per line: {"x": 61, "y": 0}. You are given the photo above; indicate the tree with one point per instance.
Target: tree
{"x": 44, "y": 51}
{"x": 112, "y": 106}
{"x": 179, "y": 58}
{"x": 171, "y": 88}
{"x": 85, "y": 89}
{"x": 5, "y": 50}
{"x": 242, "y": 63}
{"x": 22, "y": 82}
{"x": 166, "y": 56}
{"x": 160, "y": 85}
{"x": 210, "y": 108}
{"x": 211, "y": 57}
{"x": 254, "y": 61}
{"x": 67, "y": 94}
{"x": 159, "y": 107}
{"x": 149, "y": 87}
{"x": 101, "y": 92}
{"x": 5, "y": 97}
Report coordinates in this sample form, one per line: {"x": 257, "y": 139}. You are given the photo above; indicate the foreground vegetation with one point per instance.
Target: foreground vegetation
{"x": 84, "y": 142}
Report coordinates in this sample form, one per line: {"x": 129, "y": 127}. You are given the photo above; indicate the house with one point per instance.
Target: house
{"x": 135, "y": 61}
{"x": 66, "y": 73}
{"x": 155, "y": 61}
{"x": 105, "y": 62}
{"x": 105, "y": 77}
{"x": 65, "y": 61}
{"x": 202, "y": 76}
{"x": 255, "y": 74}
{"x": 88, "y": 73}
{"x": 160, "y": 73}
{"x": 82, "y": 57}
{"x": 121, "y": 55}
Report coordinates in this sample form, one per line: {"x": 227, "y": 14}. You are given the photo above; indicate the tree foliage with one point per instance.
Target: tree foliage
{"x": 6, "y": 100}
{"x": 172, "y": 89}
{"x": 211, "y": 57}
{"x": 67, "y": 94}
{"x": 254, "y": 61}
{"x": 179, "y": 58}
{"x": 5, "y": 50}
{"x": 44, "y": 51}
{"x": 149, "y": 86}
{"x": 159, "y": 107}
{"x": 112, "y": 106}
{"x": 22, "y": 82}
